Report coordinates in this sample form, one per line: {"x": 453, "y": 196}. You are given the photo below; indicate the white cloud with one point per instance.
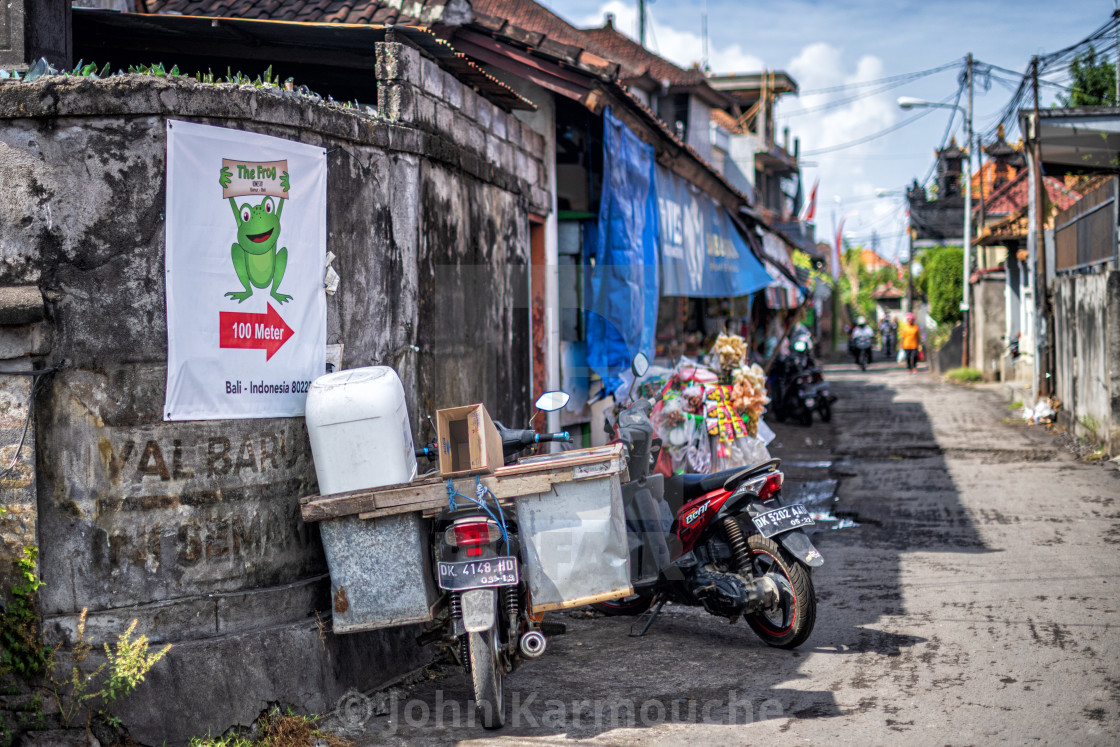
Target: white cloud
{"x": 817, "y": 65}
{"x": 683, "y": 47}
{"x": 834, "y": 118}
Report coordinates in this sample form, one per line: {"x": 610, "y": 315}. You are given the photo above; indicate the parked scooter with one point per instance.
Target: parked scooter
{"x": 725, "y": 541}
{"x": 799, "y": 388}
{"x": 478, "y": 565}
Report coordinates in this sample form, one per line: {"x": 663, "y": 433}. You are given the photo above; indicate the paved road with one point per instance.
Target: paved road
{"x": 976, "y": 602}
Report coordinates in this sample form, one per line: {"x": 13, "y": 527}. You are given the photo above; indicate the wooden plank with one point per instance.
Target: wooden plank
{"x": 562, "y": 460}
{"x": 536, "y": 476}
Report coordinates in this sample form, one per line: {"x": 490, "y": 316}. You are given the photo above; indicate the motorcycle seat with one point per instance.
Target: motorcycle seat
{"x": 680, "y": 489}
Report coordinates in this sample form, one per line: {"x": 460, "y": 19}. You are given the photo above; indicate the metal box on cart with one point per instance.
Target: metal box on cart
{"x": 571, "y": 522}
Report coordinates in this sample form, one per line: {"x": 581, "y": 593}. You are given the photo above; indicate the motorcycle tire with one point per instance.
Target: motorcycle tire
{"x": 486, "y": 678}
{"x": 824, "y": 409}
{"x": 806, "y": 416}
{"x": 630, "y": 606}
{"x": 791, "y": 622}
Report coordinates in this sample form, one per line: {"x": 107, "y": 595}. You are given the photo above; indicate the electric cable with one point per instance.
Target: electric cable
{"x": 909, "y": 76}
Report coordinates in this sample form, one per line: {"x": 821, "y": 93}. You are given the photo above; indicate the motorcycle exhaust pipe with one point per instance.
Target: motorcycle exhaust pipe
{"x": 533, "y": 644}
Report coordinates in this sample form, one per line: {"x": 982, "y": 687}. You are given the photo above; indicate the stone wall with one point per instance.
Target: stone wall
{"x": 989, "y": 324}
{"x": 1087, "y": 354}
{"x": 193, "y": 527}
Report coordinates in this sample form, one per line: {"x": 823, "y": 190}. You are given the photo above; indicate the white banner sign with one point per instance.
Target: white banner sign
{"x": 246, "y": 246}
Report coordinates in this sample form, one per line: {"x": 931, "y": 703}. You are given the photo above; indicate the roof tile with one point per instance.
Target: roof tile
{"x": 413, "y": 12}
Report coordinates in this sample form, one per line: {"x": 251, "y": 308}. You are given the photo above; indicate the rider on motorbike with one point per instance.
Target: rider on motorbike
{"x": 860, "y": 341}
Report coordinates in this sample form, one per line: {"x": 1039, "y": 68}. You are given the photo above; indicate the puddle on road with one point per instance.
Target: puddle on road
{"x": 819, "y": 496}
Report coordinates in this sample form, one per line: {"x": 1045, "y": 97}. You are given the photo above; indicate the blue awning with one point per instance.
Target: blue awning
{"x": 622, "y": 313}
{"x": 702, "y": 253}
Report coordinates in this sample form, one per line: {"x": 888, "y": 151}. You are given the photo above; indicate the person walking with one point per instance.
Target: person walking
{"x": 909, "y": 337}
{"x": 886, "y": 337}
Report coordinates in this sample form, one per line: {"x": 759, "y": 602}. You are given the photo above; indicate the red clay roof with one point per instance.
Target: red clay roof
{"x": 1016, "y": 193}
{"x": 309, "y": 11}
{"x": 530, "y": 16}
{"x": 638, "y": 61}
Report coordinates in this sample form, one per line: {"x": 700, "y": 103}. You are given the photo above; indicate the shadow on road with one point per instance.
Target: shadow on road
{"x": 891, "y": 477}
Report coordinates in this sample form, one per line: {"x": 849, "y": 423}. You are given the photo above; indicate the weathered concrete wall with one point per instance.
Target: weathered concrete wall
{"x": 989, "y": 324}
{"x": 1087, "y": 354}
{"x": 193, "y": 528}
{"x": 948, "y": 356}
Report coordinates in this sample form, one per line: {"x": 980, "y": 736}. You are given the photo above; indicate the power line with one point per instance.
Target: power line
{"x": 861, "y": 84}
{"x": 867, "y": 138}
{"x": 896, "y": 82}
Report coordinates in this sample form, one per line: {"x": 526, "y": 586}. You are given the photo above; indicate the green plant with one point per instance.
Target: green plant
{"x": 278, "y": 728}
{"x": 1097, "y": 455}
{"x": 1092, "y": 81}
{"x": 22, "y": 652}
{"x": 123, "y": 670}
{"x": 942, "y": 280}
{"x": 1089, "y": 423}
{"x": 964, "y": 375}
{"x": 1016, "y": 405}
{"x": 938, "y": 336}
{"x": 230, "y": 740}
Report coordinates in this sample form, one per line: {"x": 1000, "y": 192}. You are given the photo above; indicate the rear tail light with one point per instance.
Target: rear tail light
{"x": 766, "y": 486}
{"x": 472, "y": 535}
{"x": 772, "y": 485}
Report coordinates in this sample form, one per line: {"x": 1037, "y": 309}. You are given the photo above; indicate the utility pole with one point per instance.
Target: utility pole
{"x": 1042, "y": 366}
{"x": 967, "y": 269}
{"x": 642, "y": 22}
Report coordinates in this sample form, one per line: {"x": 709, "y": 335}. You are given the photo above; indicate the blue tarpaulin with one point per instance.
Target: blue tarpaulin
{"x": 622, "y": 314}
{"x": 702, "y": 253}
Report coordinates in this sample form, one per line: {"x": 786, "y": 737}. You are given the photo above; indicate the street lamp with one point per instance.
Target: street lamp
{"x": 907, "y": 102}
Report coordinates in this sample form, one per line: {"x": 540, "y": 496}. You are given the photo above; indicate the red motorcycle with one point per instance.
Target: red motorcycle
{"x": 725, "y": 541}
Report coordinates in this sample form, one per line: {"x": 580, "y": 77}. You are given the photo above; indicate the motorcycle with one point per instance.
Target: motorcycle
{"x": 799, "y": 387}
{"x": 860, "y": 347}
{"x": 726, "y": 541}
{"x": 477, "y": 563}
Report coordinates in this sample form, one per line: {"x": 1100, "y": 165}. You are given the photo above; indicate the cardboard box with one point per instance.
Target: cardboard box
{"x": 468, "y": 440}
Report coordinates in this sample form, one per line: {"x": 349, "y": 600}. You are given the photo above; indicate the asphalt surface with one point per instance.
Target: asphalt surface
{"x": 970, "y": 595}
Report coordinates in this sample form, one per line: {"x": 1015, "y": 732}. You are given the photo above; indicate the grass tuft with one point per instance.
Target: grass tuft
{"x": 964, "y": 375}
{"x": 278, "y": 728}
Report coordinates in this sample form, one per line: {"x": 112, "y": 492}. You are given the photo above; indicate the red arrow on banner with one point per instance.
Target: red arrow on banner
{"x": 266, "y": 332}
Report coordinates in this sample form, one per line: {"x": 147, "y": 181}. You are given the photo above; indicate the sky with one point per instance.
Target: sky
{"x": 825, "y": 44}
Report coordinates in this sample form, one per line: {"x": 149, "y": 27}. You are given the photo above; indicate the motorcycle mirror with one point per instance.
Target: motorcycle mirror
{"x": 550, "y": 401}
{"x": 639, "y": 365}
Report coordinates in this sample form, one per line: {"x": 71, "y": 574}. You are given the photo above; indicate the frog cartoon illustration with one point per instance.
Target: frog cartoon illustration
{"x": 255, "y": 257}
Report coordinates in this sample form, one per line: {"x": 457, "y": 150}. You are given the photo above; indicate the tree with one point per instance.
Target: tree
{"x": 943, "y": 284}
{"x": 1093, "y": 81}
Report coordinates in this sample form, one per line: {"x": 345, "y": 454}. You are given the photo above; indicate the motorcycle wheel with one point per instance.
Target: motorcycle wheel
{"x": 806, "y": 416}
{"x": 824, "y": 409}
{"x": 630, "y": 606}
{"x": 486, "y": 678}
{"x": 790, "y": 622}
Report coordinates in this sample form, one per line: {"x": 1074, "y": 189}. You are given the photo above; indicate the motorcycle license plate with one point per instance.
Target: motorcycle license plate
{"x": 478, "y": 574}
{"x": 782, "y": 520}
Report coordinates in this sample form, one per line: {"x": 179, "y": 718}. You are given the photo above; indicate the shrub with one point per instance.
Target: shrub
{"x": 944, "y": 285}
{"x": 964, "y": 375}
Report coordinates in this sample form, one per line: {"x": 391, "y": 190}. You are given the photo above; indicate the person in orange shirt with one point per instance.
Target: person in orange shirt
{"x": 909, "y": 338}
